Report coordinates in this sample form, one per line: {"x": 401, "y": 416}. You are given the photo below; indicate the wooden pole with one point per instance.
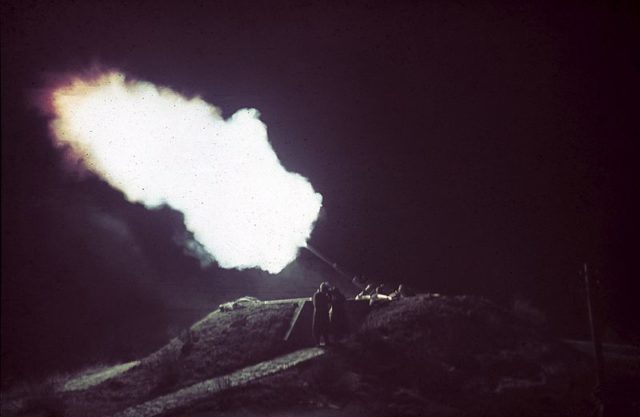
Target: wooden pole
{"x": 595, "y": 337}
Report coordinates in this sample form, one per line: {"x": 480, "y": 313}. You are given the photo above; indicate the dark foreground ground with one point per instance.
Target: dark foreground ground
{"x": 420, "y": 356}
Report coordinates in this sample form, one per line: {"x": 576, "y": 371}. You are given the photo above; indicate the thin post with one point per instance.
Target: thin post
{"x": 595, "y": 335}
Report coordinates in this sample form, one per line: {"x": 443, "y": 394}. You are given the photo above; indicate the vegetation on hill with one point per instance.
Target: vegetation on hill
{"x": 216, "y": 345}
{"x": 423, "y": 355}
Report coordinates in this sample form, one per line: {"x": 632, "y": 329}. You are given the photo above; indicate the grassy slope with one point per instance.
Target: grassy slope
{"x": 220, "y": 343}
{"x": 467, "y": 353}
{"x": 447, "y": 356}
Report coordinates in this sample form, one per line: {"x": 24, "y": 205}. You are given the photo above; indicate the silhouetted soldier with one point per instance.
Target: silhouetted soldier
{"x": 378, "y": 297}
{"x": 337, "y": 314}
{"x": 321, "y": 304}
{"x": 359, "y": 281}
{"x": 365, "y": 294}
{"x": 402, "y": 292}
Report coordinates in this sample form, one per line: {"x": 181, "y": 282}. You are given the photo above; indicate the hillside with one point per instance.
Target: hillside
{"x": 424, "y": 355}
{"x": 444, "y": 356}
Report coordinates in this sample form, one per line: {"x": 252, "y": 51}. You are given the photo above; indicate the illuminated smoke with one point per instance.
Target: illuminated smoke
{"x": 160, "y": 147}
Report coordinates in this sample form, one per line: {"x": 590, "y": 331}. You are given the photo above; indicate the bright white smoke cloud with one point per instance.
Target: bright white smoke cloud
{"x": 159, "y": 147}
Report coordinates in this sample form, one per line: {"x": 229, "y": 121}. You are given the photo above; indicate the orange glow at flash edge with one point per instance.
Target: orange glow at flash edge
{"x": 160, "y": 147}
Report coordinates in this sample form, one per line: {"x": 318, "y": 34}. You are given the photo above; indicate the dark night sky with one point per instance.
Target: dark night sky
{"x": 484, "y": 148}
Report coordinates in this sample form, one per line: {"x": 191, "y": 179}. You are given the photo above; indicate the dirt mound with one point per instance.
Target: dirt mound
{"x": 418, "y": 356}
{"x": 467, "y": 353}
{"x": 426, "y": 355}
{"x": 220, "y": 343}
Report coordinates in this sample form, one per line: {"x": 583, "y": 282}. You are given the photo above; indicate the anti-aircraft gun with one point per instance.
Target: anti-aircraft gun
{"x": 355, "y": 280}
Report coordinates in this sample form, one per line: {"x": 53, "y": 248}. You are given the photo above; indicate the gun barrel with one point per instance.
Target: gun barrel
{"x": 332, "y": 264}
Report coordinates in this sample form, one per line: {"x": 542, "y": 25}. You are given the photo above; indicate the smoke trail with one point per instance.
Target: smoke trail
{"x": 159, "y": 147}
